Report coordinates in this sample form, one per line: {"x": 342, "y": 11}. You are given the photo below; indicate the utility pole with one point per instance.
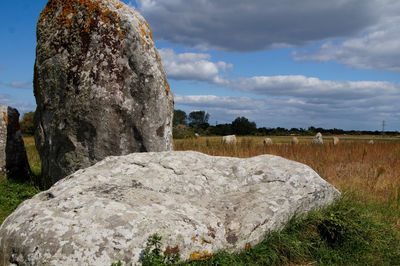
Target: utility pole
{"x": 383, "y": 127}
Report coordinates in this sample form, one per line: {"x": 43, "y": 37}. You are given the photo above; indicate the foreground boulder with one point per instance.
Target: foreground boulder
{"x": 13, "y": 159}
{"x": 99, "y": 85}
{"x": 198, "y": 203}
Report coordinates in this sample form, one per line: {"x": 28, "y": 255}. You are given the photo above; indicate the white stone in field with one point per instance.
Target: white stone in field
{"x": 229, "y": 139}
{"x": 200, "y": 203}
{"x": 318, "y": 139}
{"x": 335, "y": 141}
{"x": 267, "y": 142}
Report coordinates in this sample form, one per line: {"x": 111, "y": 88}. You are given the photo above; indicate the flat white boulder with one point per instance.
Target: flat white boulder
{"x": 200, "y": 203}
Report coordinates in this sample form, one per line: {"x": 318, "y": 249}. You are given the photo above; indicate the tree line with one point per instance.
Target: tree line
{"x": 197, "y": 122}
{"x": 187, "y": 125}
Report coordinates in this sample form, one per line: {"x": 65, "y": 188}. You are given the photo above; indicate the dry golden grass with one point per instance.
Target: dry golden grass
{"x": 373, "y": 171}
{"x": 33, "y": 156}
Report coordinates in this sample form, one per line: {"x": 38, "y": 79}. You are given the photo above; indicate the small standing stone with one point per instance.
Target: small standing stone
{"x": 335, "y": 141}
{"x": 267, "y": 142}
{"x": 318, "y": 139}
{"x": 13, "y": 159}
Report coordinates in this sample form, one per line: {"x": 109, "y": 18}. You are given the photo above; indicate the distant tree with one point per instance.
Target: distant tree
{"x": 242, "y": 126}
{"x": 280, "y": 131}
{"x": 180, "y": 118}
{"x": 312, "y": 130}
{"x": 183, "y": 132}
{"x": 221, "y": 129}
{"x": 26, "y": 123}
{"x": 199, "y": 119}
{"x": 294, "y": 130}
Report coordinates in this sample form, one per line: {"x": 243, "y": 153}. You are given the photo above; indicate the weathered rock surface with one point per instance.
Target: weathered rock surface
{"x": 99, "y": 85}
{"x": 197, "y": 202}
{"x": 13, "y": 159}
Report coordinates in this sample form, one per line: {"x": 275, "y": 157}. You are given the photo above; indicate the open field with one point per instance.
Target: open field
{"x": 363, "y": 228}
{"x": 372, "y": 170}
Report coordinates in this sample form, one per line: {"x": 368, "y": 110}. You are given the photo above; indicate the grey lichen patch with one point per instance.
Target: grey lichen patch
{"x": 231, "y": 238}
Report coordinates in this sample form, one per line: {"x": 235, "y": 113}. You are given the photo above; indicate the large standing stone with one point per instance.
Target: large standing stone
{"x": 200, "y": 203}
{"x": 99, "y": 85}
{"x": 13, "y": 159}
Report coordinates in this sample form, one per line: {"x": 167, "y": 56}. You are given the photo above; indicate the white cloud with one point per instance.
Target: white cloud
{"x": 298, "y": 101}
{"x": 16, "y": 85}
{"x": 296, "y": 111}
{"x": 192, "y": 66}
{"x": 21, "y": 106}
{"x": 198, "y": 66}
{"x": 212, "y": 101}
{"x": 358, "y": 33}
{"x": 311, "y": 87}
{"x": 4, "y": 99}
{"x": 258, "y": 24}
{"x": 376, "y": 47}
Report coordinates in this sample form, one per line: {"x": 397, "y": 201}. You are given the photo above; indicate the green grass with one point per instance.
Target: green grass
{"x": 12, "y": 194}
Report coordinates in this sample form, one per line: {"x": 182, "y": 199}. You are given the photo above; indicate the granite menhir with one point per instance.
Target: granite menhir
{"x": 99, "y": 84}
{"x": 13, "y": 159}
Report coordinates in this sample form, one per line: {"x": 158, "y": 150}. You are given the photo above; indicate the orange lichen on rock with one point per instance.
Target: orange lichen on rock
{"x": 146, "y": 36}
{"x": 5, "y": 118}
{"x": 171, "y": 251}
{"x": 167, "y": 87}
{"x": 49, "y": 8}
{"x": 200, "y": 255}
{"x": 93, "y": 12}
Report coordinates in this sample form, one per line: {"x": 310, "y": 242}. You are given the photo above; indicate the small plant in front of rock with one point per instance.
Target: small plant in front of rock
{"x": 118, "y": 263}
{"x": 153, "y": 255}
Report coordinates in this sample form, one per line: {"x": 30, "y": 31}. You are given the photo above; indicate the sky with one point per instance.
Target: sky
{"x": 280, "y": 63}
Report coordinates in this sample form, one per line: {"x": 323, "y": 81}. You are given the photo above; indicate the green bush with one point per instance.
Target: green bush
{"x": 27, "y": 123}
{"x": 183, "y": 132}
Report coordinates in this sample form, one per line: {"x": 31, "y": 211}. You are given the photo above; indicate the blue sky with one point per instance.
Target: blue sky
{"x": 284, "y": 63}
